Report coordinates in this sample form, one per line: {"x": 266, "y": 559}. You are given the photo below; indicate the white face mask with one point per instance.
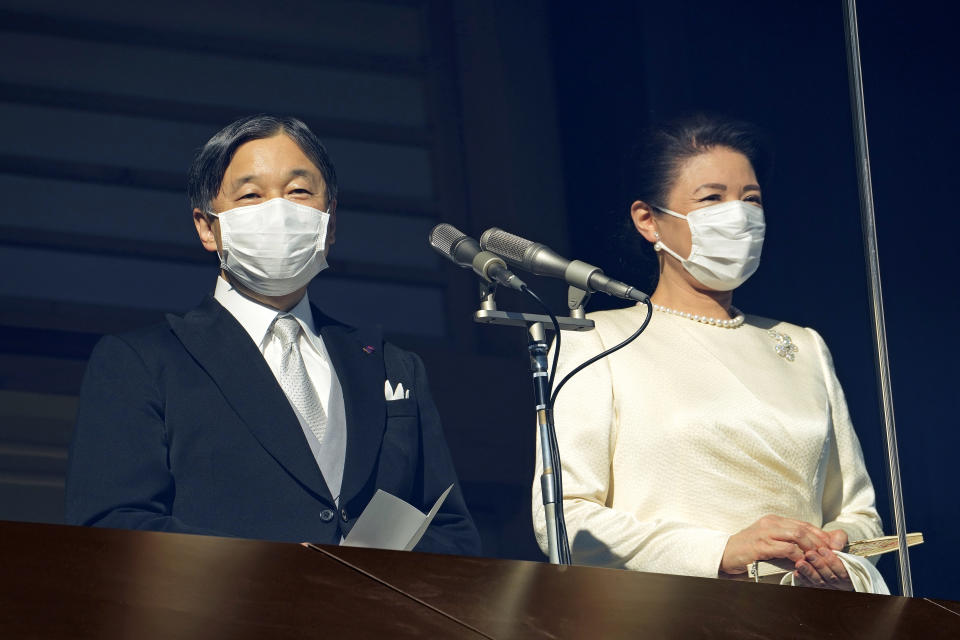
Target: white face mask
{"x": 725, "y": 243}
{"x": 275, "y": 247}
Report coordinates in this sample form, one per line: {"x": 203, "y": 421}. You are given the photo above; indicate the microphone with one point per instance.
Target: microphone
{"x": 463, "y": 250}
{"x": 540, "y": 260}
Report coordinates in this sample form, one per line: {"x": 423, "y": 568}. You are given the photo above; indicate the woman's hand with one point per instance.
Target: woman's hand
{"x": 822, "y": 568}
{"x": 773, "y": 537}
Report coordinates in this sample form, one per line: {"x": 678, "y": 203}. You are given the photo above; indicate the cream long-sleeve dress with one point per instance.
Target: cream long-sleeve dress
{"x": 692, "y": 433}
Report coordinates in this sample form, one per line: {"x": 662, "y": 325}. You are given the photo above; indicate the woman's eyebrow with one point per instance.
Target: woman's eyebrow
{"x": 751, "y": 187}
{"x": 711, "y": 185}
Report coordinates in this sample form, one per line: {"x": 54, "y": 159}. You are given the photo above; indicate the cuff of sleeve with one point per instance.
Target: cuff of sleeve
{"x": 863, "y": 575}
{"x": 713, "y": 552}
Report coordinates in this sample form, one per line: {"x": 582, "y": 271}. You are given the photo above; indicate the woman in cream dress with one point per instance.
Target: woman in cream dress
{"x": 715, "y": 439}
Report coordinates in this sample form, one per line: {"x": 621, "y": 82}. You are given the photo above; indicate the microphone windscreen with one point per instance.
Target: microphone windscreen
{"x": 510, "y": 247}
{"x": 443, "y": 236}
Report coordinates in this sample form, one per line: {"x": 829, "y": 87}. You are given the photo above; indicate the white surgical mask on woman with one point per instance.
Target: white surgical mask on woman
{"x": 273, "y": 248}
{"x": 725, "y": 243}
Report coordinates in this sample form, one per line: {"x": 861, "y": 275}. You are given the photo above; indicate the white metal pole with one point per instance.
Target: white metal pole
{"x": 868, "y": 223}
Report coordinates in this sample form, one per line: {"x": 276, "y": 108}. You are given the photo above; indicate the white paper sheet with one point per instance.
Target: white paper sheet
{"x": 390, "y": 523}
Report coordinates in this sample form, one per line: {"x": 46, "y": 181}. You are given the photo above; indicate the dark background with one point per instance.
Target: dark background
{"x": 783, "y": 66}
{"x": 514, "y": 114}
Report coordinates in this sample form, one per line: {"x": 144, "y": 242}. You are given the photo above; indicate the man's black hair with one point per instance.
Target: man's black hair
{"x": 211, "y": 162}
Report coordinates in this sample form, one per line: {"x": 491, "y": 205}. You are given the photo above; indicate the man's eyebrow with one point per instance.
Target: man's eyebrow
{"x": 243, "y": 180}
{"x": 711, "y": 185}
{"x": 303, "y": 173}
{"x": 294, "y": 173}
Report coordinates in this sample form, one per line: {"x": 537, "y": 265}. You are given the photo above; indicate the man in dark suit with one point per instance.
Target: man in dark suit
{"x": 255, "y": 414}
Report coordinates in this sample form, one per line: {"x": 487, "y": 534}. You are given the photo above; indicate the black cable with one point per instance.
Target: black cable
{"x": 602, "y": 354}
{"x": 552, "y": 427}
{"x": 563, "y": 550}
{"x": 563, "y": 538}
{"x": 556, "y": 354}
{"x": 556, "y": 328}
{"x": 563, "y": 546}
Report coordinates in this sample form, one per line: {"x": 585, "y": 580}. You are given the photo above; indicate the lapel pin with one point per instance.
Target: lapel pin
{"x": 368, "y": 349}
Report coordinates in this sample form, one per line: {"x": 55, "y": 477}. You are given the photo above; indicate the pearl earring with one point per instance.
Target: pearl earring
{"x": 657, "y": 245}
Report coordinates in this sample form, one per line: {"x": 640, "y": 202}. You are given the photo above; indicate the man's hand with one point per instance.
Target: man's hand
{"x": 773, "y": 537}
{"x": 822, "y": 568}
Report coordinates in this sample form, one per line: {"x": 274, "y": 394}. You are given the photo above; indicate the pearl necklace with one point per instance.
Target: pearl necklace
{"x": 728, "y": 323}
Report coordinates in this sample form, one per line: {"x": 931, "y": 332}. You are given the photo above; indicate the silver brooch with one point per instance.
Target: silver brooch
{"x": 784, "y": 345}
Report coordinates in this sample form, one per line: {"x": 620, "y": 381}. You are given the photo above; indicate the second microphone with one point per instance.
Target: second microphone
{"x": 540, "y": 260}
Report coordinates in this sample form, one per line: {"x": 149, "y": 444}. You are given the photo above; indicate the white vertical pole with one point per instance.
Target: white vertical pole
{"x": 868, "y": 223}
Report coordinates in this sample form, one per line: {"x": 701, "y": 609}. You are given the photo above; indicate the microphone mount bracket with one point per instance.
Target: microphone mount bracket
{"x": 514, "y": 319}
{"x": 489, "y": 314}
{"x": 577, "y": 299}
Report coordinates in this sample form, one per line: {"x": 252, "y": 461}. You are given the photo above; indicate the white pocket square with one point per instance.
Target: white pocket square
{"x": 394, "y": 394}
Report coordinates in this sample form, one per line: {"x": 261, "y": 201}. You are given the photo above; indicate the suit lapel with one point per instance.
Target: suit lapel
{"x": 357, "y": 358}
{"x": 224, "y": 350}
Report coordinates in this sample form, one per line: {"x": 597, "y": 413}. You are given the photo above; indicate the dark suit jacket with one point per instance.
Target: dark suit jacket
{"x": 183, "y": 427}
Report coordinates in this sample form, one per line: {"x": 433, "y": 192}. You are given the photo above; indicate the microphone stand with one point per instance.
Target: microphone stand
{"x": 537, "y": 350}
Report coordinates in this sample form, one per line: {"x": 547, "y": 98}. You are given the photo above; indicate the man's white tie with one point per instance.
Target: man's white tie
{"x": 294, "y": 379}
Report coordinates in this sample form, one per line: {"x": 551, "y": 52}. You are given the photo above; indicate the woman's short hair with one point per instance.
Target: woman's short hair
{"x": 663, "y": 149}
{"x": 211, "y": 162}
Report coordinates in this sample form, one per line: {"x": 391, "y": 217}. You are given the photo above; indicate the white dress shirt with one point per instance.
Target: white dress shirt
{"x": 692, "y": 433}
{"x": 257, "y": 319}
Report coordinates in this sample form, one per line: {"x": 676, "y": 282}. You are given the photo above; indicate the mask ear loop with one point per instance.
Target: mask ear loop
{"x": 658, "y": 245}
{"x": 223, "y": 263}
{"x": 325, "y": 222}
{"x": 670, "y": 213}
